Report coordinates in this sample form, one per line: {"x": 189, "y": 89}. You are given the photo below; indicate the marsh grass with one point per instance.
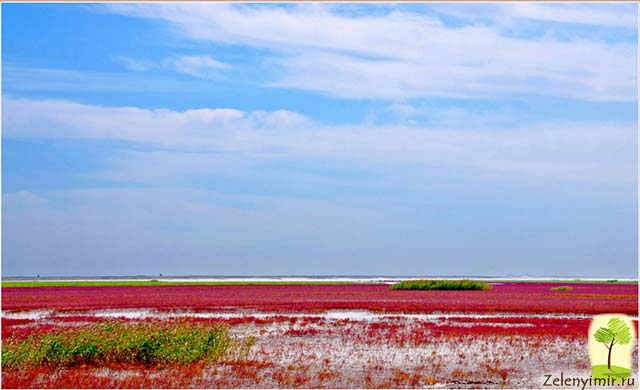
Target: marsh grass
{"x": 561, "y": 288}
{"x": 157, "y": 282}
{"x": 440, "y": 285}
{"x": 116, "y": 342}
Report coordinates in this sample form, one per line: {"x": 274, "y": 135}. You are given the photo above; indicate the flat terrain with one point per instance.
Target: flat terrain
{"x": 502, "y": 297}
{"x": 318, "y": 335}
{"x": 73, "y": 283}
{"x": 264, "y": 281}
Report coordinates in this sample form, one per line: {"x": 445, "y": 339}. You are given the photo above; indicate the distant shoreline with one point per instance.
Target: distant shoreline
{"x": 221, "y": 280}
{"x": 304, "y": 277}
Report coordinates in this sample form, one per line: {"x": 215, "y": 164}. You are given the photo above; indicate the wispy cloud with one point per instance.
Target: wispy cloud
{"x": 27, "y": 79}
{"x": 135, "y": 64}
{"x": 401, "y": 55}
{"x": 600, "y": 15}
{"x": 202, "y": 66}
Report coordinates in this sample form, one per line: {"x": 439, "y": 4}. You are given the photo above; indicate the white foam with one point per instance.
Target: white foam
{"x": 351, "y": 315}
{"x": 27, "y": 314}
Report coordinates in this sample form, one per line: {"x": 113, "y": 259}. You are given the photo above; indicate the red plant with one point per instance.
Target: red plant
{"x": 518, "y": 297}
{"x": 517, "y": 320}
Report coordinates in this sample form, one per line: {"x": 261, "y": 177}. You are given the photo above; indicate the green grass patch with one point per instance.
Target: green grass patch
{"x": 440, "y": 285}
{"x": 153, "y": 283}
{"x": 116, "y": 342}
{"x": 561, "y": 288}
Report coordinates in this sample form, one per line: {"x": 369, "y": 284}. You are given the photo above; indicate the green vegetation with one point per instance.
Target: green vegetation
{"x": 154, "y": 282}
{"x": 440, "y": 285}
{"x": 117, "y": 342}
{"x": 561, "y": 288}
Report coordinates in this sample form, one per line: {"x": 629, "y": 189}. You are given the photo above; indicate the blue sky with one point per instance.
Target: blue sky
{"x": 231, "y": 139}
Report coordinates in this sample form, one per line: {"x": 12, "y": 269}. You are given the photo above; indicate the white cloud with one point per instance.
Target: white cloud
{"x": 510, "y": 14}
{"x": 401, "y": 55}
{"x": 402, "y": 109}
{"x": 279, "y": 119}
{"x": 219, "y": 128}
{"x": 620, "y": 15}
{"x": 25, "y": 78}
{"x": 450, "y": 117}
{"x": 202, "y": 66}
{"x": 585, "y": 151}
{"x": 135, "y": 64}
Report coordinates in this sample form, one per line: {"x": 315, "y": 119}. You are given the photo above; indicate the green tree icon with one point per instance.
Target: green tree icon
{"x": 617, "y": 332}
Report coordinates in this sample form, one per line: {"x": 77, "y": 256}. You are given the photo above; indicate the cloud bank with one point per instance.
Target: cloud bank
{"x": 586, "y": 151}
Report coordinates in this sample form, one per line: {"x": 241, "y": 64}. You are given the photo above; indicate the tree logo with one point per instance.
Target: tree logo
{"x": 611, "y": 342}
